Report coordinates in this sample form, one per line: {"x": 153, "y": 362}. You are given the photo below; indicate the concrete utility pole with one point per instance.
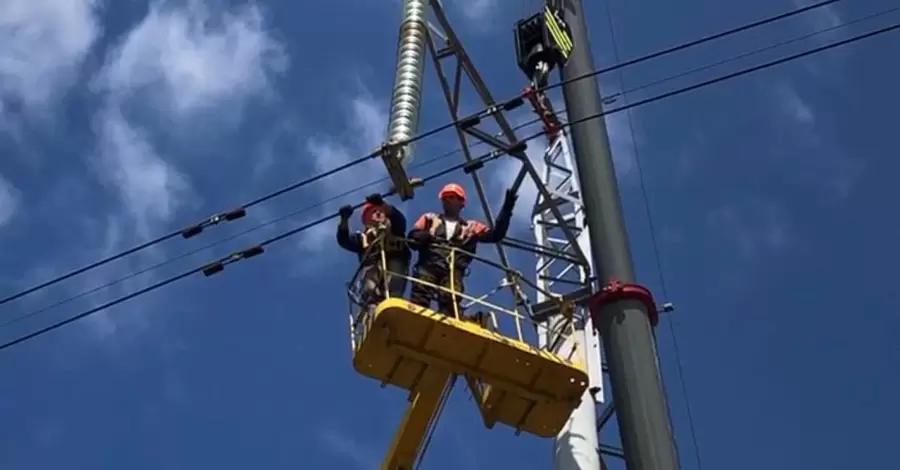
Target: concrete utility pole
{"x": 624, "y": 325}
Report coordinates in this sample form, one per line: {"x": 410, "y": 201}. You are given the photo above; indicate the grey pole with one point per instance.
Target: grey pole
{"x": 624, "y": 325}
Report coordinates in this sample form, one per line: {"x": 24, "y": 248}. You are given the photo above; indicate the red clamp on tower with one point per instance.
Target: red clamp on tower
{"x": 542, "y": 108}
{"x": 616, "y": 291}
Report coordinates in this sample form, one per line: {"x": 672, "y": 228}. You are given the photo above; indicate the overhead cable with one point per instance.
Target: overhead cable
{"x": 240, "y": 212}
{"x": 250, "y": 252}
{"x": 612, "y": 97}
{"x": 468, "y": 167}
{"x": 224, "y": 240}
{"x": 696, "y": 42}
{"x": 187, "y": 232}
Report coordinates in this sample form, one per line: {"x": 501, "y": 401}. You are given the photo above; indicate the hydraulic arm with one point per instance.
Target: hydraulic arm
{"x": 421, "y": 414}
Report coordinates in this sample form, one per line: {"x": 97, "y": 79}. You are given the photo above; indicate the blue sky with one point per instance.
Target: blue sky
{"x": 119, "y": 121}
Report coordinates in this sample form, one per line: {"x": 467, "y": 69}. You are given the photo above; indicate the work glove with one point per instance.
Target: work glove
{"x": 346, "y": 212}
{"x": 509, "y": 201}
{"x": 375, "y": 199}
{"x": 423, "y": 237}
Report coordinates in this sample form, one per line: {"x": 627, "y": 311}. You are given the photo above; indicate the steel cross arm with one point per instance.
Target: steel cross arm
{"x": 451, "y": 95}
{"x": 528, "y": 167}
{"x": 606, "y": 415}
{"x": 464, "y": 63}
{"x": 539, "y": 250}
{"x": 612, "y": 451}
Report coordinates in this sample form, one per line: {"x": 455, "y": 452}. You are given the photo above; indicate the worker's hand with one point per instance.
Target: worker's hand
{"x": 346, "y": 212}
{"x": 509, "y": 201}
{"x": 375, "y": 199}
{"x": 423, "y": 237}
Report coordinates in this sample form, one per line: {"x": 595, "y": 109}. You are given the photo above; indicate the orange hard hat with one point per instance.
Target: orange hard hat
{"x": 453, "y": 189}
{"x": 367, "y": 210}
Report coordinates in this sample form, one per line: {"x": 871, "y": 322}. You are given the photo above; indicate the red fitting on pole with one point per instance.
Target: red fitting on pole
{"x": 541, "y": 106}
{"x": 616, "y": 291}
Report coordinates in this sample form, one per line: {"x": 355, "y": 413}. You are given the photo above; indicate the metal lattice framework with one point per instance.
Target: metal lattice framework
{"x": 561, "y": 238}
{"x": 447, "y": 53}
{"x": 558, "y": 269}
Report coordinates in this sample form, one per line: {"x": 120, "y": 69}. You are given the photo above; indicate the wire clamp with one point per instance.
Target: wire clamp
{"x": 617, "y": 291}
{"x": 543, "y": 109}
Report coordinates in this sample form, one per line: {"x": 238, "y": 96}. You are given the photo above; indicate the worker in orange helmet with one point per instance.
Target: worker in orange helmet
{"x": 433, "y": 234}
{"x": 385, "y": 225}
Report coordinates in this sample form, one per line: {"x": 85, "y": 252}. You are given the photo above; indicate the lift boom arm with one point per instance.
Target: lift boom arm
{"x": 421, "y": 414}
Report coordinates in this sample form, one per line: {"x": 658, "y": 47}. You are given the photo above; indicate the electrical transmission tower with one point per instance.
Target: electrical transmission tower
{"x": 567, "y": 287}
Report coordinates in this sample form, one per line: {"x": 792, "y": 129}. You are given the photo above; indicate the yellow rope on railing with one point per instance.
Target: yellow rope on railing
{"x": 455, "y": 296}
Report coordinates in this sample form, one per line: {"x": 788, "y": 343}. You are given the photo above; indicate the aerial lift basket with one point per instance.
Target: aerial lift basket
{"x": 521, "y": 385}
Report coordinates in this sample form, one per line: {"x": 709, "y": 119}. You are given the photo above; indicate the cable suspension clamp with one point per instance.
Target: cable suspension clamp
{"x": 616, "y": 291}
{"x": 402, "y": 185}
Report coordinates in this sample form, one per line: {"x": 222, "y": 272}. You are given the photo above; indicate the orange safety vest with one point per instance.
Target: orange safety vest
{"x": 464, "y": 237}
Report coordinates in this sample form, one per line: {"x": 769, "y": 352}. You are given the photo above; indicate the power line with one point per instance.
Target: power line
{"x": 202, "y": 248}
{"x": 697, "y": 42}
{"x": 468, "y": 167}
{"x": 643, "y": 187}
{"x": 240, "y": 212}
{"x": 623, "y": 92}
{"x": 208, "y": 246}
{"x": 187, "y": 232}
{"x": 729, "y": 76}
{"x": 753, "y": 52}
{"x": 649, "y": 215}
{"x": 218, "y": 265}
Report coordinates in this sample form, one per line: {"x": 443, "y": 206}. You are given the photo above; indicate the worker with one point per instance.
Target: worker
{"x": 384, "y": 226}
{"x": 434, "y": 234}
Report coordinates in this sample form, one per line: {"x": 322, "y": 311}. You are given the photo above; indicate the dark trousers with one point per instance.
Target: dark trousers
{"x": 373, "y": 281}
{"x": 422, "y": 294}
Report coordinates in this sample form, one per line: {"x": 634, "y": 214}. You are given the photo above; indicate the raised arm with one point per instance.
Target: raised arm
{"x": 398, "y": 221}
{"x": 346, "y": 240}
{"x": 484, "y": 234}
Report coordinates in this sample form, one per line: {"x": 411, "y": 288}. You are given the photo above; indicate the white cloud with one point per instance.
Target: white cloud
{"x": 365, "y": 130}
{"x": 822, "y": 17}
{"x": 825, "y": 67}
{"x": 623, "y": 143}
{"x": 620, "y": 128}
{"x": 183, "y": 64}
{"x": 9, "y": 201}
{"x": 150, "y": 188}
{"x": 120, "y": 326}
{"x": 349, "y": 449}
{"x": 44, "y": 42}
{"x": 477, "y": 12}
{"x": 191, "y": 58}
{"x": 187, "y": 59}
{"x": 752, "y": 227}
{"x": 816, "y": 150}
{"x": 748, "y": 231}
{"x": 370, "y": 119}
{"x": 793, "y": 105}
